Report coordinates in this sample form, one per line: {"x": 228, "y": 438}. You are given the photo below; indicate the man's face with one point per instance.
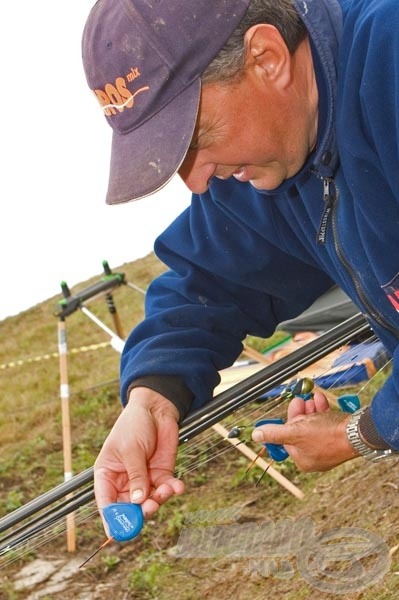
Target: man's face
{"x": 250, "y": 130}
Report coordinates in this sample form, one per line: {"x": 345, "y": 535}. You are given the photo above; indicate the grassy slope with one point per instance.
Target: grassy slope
{"x": 30, "y": 422}
{"x": 354, "y": 495}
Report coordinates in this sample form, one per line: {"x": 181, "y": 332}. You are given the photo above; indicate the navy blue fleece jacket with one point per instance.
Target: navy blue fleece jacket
{"x": 241, "y": 261}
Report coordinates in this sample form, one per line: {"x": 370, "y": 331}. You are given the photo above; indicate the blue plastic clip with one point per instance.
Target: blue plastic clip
{"x": 276, "y": 451}
{"x": 125, "y": 521}
{"x": 297, "y": 387}
{"x": 349, "y": 403}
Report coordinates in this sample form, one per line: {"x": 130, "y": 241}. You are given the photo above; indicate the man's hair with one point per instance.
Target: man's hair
{"x": 230, "y": 61}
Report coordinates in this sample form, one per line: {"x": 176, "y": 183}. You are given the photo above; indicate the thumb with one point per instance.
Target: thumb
{"x": 139, "y": 483}
{"x": 271, "y": 434}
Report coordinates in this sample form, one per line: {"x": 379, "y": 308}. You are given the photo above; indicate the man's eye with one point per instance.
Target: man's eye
{"x": 194, "y": 145}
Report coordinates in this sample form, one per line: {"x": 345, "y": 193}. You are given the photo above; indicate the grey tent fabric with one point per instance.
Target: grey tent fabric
{"x": 329, "y": 310}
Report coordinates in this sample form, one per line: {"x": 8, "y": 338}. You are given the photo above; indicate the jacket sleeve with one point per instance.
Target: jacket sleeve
{"x": 376, "y": 64}
{"x": 225, "y": 281}
{"x": 384, "y": 409}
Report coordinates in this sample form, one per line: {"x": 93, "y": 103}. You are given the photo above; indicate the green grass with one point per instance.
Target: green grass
{"x": 30, "y": 406}
{"x": 31, "y": 450}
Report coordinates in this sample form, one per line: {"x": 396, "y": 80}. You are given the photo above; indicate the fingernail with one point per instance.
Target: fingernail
{"x": 257, "y": 436}
{"x": 137, "y": 495}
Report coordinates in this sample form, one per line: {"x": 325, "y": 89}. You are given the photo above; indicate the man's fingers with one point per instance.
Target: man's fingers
{"x": 136, "y": 463}
{"x": 149, "y": 507}
{"x": 321, "y": 402}
{"x": 296, "y": 408}
{"x": 110, "y": 486}
{"x": 168, "y": 489}
{"x": 161, "y": 494}
{"x": 118, "y": 482}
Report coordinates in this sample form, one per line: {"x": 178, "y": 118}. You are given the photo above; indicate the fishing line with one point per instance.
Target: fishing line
{"x": 224, "y": 404}
{"x": 266, "y": 407}
{"x": 45, "y": 536}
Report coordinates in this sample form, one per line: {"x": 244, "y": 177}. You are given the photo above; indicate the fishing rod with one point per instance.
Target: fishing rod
{"x": 44, "y": 500}
{"x": 40, "y": 523}
{"x": 222, "y": 405}
{"x": 271, "y": 376}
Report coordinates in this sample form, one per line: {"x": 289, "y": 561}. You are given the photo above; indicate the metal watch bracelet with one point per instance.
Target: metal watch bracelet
{"x": 352, "y": 432}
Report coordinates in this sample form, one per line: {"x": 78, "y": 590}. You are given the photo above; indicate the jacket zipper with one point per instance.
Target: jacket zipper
{"x": 330, "y": 196}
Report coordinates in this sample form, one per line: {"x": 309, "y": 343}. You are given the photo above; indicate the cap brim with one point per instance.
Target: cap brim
{"x": 144, "y": 160}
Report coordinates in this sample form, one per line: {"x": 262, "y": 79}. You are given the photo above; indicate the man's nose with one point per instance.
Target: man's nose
{"x": 196, "y": 176}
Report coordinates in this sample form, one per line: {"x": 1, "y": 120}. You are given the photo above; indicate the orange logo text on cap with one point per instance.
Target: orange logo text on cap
{"x": 115, "y": 97}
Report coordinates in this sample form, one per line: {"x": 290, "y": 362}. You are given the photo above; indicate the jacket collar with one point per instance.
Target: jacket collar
{"x": 323, "y": 20}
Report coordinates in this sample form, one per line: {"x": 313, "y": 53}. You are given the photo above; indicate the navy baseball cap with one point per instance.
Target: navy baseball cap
{"x": 143, "y": 59}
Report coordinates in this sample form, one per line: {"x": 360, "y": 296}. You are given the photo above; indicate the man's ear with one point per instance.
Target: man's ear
{"x": 268, "y": 54}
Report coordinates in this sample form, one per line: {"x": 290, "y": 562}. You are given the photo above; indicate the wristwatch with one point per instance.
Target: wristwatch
{"x": 352, "y": 432}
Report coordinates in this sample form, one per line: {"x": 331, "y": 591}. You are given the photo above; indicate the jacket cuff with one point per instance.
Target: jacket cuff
{"x": 369, "y": 433}
{"x": 170, "y": 386}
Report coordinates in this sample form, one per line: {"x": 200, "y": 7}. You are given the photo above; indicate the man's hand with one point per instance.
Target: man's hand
{"x": 137, "y": 461}
{"x": 314, "y": 436}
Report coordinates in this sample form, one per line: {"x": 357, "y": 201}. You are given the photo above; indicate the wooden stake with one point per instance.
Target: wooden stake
{"x": 66, "y": 427}
{"x": 258, "y": 461}
{"x": 258, "y": 356}
{"x": 114, "y": 314}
